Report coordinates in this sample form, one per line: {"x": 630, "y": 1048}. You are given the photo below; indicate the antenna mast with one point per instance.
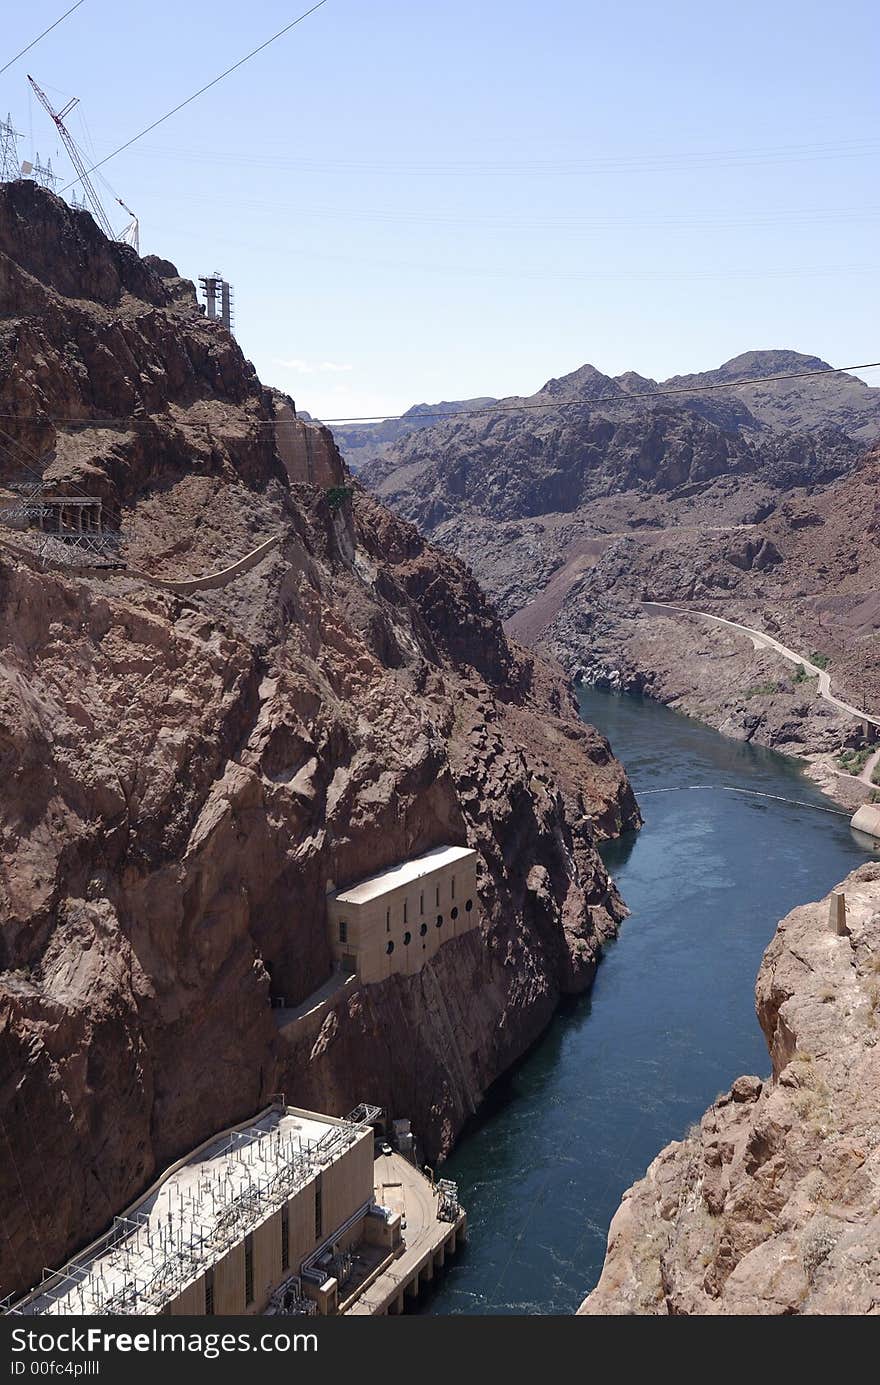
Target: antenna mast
{"x": 58, "y": 117}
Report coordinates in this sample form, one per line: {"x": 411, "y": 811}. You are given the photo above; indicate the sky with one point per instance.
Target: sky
{"x": 418, "y": 201}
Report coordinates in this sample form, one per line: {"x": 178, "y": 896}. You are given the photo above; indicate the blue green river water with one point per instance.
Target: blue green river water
{"x": 669, "y": 1023}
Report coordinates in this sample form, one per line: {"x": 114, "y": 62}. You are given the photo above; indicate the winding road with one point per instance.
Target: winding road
{"x": 761, "y": 640}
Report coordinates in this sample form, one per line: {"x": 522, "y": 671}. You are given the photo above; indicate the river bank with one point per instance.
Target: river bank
{"x": 769, "y": 1203}
{"x": 669, "y": 1022}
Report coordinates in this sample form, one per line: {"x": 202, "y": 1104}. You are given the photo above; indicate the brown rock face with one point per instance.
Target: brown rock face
{"x": 589, "y": 436}
{"x": 770, "y": 1205}
{"x": 185, "y": 776}
{"x": 758, "y": 504}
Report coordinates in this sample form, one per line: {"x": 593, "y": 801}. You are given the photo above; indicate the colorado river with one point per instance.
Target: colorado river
{"x": 670, "y": 1021}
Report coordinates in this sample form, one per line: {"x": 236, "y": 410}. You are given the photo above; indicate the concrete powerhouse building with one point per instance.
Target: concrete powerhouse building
{"x": 284, "y": 1212}
{"x": 397, "y": 920}
{"x": 272, "y": 1207}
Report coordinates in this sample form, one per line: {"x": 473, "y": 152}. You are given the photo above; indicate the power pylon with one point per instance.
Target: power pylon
{"x": 10, "y": 168}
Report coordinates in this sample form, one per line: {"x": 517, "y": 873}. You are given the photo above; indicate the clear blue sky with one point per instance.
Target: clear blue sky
{"x": 418, "y": 200}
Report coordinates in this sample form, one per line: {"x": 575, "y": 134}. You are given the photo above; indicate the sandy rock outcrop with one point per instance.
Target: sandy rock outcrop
{"x": 770, "y": 1205}
{"x": 185, "y": 775}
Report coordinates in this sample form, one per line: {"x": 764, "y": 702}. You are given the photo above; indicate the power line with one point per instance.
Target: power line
{"x": 201, "y": 91}
{"x": 615, "y": 163}
{"x": 39, "y": 36}
{"x": 620, "y": 398}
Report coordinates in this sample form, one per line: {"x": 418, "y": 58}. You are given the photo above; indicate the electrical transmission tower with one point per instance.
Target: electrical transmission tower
{"x": 41, "y": 173}
{"x": 10, "y": 169}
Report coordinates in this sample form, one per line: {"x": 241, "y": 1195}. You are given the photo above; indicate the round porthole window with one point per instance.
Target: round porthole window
{"x": 453, "y": 913}
{"x": 390, "y": 947}
{"x": 439, "y": 920}
{"x": 469, "y": 906}
{"x": 407, "y": 938}
{"x": 423, "y": 930}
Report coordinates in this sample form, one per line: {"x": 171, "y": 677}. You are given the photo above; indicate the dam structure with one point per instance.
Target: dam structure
{"x": 278, "y": 1216}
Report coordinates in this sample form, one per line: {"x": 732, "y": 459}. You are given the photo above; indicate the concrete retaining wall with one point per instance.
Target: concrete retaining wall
{"x": 212, "y": 580}
{"x": 867, "y": 820}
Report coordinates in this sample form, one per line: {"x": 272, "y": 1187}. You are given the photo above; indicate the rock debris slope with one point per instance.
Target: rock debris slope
{"x": 183, "y": 777}
{"x": 772, "y": 1203}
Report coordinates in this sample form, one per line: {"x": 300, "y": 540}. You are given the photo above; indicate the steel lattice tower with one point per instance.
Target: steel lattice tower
{"x": 10, "y": 169}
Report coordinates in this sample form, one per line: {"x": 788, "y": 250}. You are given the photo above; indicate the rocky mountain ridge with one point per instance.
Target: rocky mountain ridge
{"x": 753, "y": 504}
{"x": 186, "y": 774}
{"x": 585, "y": 436}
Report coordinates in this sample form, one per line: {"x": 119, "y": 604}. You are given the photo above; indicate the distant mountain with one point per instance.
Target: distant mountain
{"x": 524, "y": 460}
{"x": 363, "y": 442}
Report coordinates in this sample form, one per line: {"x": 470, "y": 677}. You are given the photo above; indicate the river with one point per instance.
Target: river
{"x": 670, "y": 1021}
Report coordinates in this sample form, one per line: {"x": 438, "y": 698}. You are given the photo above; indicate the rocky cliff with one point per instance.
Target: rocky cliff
{"x": 757, "y": 504}
{"x": 186, "y": 774}
{"x": 807, "y": 573}
{"x": 769, "y": 1205}
{"x": 589, "y": 436}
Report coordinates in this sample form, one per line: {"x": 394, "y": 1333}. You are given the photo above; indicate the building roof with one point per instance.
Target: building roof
{"x": 187, "y": 1221}
{"x": 404, "y": 874}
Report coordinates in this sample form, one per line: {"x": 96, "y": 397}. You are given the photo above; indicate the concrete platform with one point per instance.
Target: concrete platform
{"x": 867, "y": 820}
{"x": 427, "y": 1240}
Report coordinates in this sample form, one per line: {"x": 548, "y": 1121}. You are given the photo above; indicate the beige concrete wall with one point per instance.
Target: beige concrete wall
{"x": 411, "y": 909}
{"x": 302, "y": 1224}
{"x": 229, "y": 1282}
{"x": 211, "y": 581}
{"x": 348, "y": 1182}
{"x": 191, "y": 1303}
{"x": 267, "y": 1261}
{"x": 867, "y": 820}
{"x": 307, "y": 449}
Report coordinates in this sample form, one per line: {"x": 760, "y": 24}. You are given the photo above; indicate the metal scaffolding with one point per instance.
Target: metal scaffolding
{"x": 79, "y": 537}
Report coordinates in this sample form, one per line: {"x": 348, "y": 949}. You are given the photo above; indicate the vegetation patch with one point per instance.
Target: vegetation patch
{"x": 764, "y": 689}
{"x": 854, "y": 761}
{"x": 337, "y": 496}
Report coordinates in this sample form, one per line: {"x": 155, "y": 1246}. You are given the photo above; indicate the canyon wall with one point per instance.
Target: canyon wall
{"x": 185, "y": 774}
{"x": 758, "y": 504}
{"x": 770, "y": 1204}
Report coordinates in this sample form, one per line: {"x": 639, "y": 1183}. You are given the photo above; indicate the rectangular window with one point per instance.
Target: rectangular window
{"x": 285, "y": 1236}
{"x": 422, "y": 902}
{"x": 343, "y": 931}
{"x": 249, "y": 1268}
{"x": 319, "y": 1210}
{"x": 453, "y": 887}
{"x": 387, "y": 920}
{"x": 438, "y": 896}
{"x": 209, "y": 1293}
{"x": 404, "y": 911}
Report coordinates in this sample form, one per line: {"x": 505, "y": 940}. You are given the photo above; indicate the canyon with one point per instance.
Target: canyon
{"x": 757, "y": 503}
{"x": 280, "y": 688}
{"x": 769, "y": 1203}
{"x": 287, "y": 680}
